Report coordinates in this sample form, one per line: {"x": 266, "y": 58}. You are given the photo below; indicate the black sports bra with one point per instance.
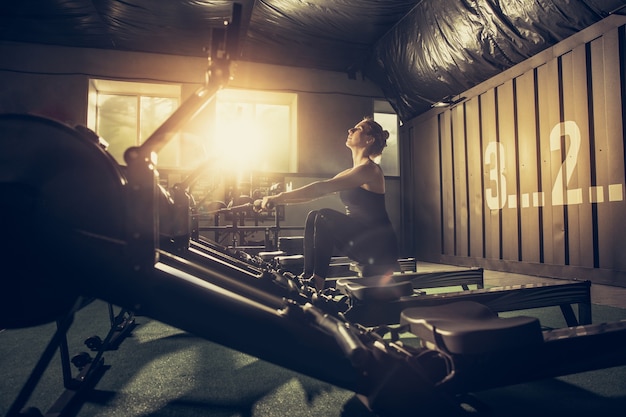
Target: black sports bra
{"x": 365, "y": 205}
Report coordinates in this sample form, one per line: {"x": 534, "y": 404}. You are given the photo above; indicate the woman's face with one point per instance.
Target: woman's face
{"x": 358, "y": 136}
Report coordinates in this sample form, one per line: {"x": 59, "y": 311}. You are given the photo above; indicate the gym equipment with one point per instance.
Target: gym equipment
{"x": 372, "y": 302}
{"x": 378, "y": 301}
{"x": 236, "y": 212}
{"x": 98, "y": 228}
{"x": 179, "y": 224}
{"x": 486, "y": 351}
{"x": 239, "y": 210}
{"x": 463, "y": 278}
{"x": 90, "y": 369}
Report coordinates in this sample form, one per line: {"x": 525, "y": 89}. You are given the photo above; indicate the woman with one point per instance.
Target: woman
{"x": 364, "y": 232}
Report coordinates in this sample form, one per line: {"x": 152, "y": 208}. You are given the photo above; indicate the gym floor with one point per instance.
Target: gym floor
{"x": 162, "y": 371}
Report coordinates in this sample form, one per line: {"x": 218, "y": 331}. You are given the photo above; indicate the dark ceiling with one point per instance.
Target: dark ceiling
{"x": 417, "y": 51}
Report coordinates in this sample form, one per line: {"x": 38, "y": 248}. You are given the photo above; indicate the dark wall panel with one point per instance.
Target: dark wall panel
{"x": 527, "y": 167}
{"x": 474, "y": 178}
{"x": 494, "y": 184}
{"x": 508, "y": 138}
{"x": 426, "y": 194}
{"x": 459, "y": 159}
{"x": 554, "y": 228}
{"x": 577, "y": 163}
{"x": 532, "y": 167}
{"x": 608, "y": 74}
{"x": 447, "y": 184}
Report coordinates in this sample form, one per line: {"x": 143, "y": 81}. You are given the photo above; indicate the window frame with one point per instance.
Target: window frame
{"x": 392, "y": 169}
{"x": 138, "y": 90}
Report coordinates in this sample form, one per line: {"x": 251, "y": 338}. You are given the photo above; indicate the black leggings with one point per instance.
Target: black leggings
{"x": 326, "y": 229}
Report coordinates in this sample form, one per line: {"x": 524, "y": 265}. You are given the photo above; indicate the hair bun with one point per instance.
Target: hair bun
{"x": 385, "y": 134}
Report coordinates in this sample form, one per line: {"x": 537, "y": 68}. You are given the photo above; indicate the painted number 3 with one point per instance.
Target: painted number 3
{"x": 496, "y": 191}
{"x": 494, "y": 158}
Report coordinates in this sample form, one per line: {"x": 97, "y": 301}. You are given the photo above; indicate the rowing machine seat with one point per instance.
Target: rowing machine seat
{"x": 470, "y": 328}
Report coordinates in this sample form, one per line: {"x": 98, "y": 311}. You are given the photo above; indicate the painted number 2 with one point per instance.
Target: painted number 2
{"x": 574, "y": 196}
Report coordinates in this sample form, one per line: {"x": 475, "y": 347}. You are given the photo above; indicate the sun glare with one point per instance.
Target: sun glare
{"x": 240, "y": 145}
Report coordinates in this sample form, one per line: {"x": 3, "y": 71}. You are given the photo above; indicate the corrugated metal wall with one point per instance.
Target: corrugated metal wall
{"x": 528, "y": 174}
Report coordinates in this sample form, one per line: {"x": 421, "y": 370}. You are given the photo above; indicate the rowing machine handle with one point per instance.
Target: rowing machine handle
{"x": 257, "y": 205}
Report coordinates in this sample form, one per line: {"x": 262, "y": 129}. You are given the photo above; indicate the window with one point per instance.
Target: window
{"x": 126, "y": 113}
{"x": 244, "y": 131}
{"x": 390, "y": 159}
{"x": 255, "y": 131}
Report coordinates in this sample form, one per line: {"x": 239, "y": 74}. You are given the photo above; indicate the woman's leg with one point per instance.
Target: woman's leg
{"x": 330, "y": 229}
{"x": 323, "y": 230}
{"x": 326, "y": 229}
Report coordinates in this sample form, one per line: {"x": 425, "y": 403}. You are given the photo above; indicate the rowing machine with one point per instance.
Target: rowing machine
{"x": 105, "y": 244}
{"x": 486, "y": 351}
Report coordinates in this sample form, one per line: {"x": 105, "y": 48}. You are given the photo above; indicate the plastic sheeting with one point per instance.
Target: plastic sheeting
{"x": 444, "y": 47}
{"x": 178, "y": 27}
{"x": 333, "y": 35}
{"x": 417, "y": 51}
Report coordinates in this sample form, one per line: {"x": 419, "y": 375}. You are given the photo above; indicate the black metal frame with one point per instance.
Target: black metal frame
{"x": 90, "y": 370}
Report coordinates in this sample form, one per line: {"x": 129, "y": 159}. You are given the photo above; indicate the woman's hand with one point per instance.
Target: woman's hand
{"x": 266, "y": 203}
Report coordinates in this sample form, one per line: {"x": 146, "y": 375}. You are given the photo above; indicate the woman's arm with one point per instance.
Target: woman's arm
{"x": 350, "y": 178}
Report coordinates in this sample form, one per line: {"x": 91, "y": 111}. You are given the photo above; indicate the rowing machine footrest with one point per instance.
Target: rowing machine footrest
{"x": 407, "y": 264}
{"x": 291, "y": 245}
{"x": 291, "y": 263}
{"x": 270, "y": 256}
{"x": 366, "y": 270}
{"x": 375, "y": 289}
{"x": 470, "y": 328}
